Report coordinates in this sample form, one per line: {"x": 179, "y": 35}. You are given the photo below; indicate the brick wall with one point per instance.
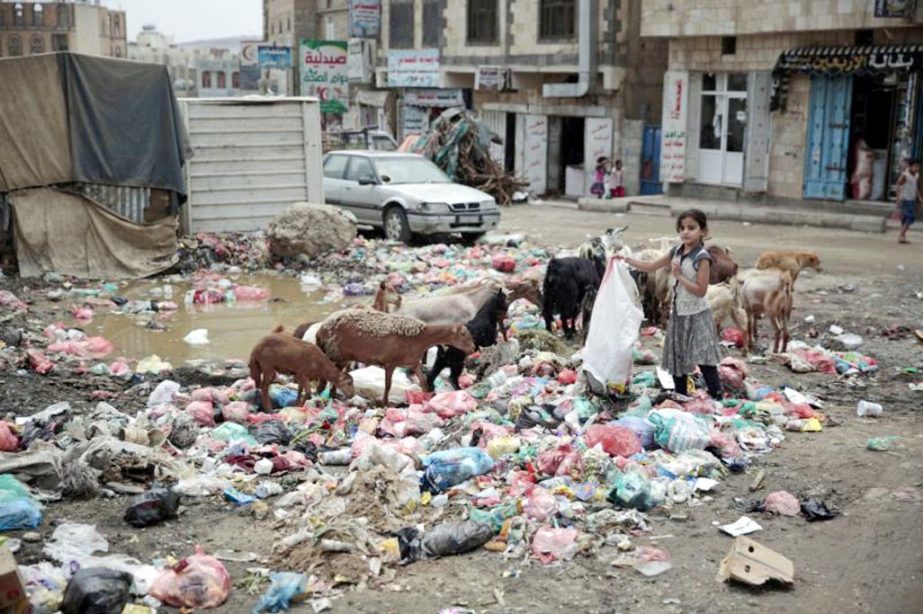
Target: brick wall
{"x": 730, "y": 17}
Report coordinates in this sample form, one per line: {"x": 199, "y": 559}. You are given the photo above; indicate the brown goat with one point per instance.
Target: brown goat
{"x": 793, "y": 262}
{"x": 281, "y": 353}
{"x": 386, "y": 298}
{"x": 386, "y": 340}
{"x": 722, "y": 267}
{"x": 768, "y": 292}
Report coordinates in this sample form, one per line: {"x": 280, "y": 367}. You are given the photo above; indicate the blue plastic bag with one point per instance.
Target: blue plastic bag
{"x": 447, "y": 468}
{"x": 284, "y": 588}
{"x": 19, "y": 514}
{"x": 282, "y": 396}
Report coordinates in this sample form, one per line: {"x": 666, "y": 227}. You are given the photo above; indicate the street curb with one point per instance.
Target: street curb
{"x": 600, "y": 205}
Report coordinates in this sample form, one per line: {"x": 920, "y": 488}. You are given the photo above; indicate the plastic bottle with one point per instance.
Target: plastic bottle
{"x": 869, "y": 409}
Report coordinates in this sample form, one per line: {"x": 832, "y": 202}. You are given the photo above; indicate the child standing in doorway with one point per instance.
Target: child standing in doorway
{"x": 691, "y": 337}
{"x": 599, "y": 189}
{"x": 908, "y": 195}
{"x": 618, "y": 181}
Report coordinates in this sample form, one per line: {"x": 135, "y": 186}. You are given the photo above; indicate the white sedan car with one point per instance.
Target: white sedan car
{"x": 405, "y": 194}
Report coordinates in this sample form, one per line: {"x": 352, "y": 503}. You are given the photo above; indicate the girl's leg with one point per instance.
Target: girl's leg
{"x": 681, "y": 384}
{"x": 712, "y": 381}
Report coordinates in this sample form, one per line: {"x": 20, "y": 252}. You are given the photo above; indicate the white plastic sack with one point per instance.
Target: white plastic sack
{"x": 614, "y": 329}
{"x": 197, "y": 337}
{"x": 370, "y": 383}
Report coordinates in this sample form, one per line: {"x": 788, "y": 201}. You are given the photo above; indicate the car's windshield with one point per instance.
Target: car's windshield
{"x": 409, "y": 169}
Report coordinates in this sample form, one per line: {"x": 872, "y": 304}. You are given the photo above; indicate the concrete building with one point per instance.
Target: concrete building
{"x": 155, "y": 47}
{"x": 789, "y": 99}
{"x": 562, "y": 82}
{"x": 30, "y": 28}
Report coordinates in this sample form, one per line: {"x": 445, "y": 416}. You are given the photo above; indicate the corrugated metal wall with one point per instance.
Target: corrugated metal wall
{"x": 128, "y": 202}
{"x": 251, "y": 160}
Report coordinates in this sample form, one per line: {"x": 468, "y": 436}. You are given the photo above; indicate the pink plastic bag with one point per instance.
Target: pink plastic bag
{"x": 562, "y": 460}
{"x": 551, "y": 544}
{"x": 615, "y": 440}
{"x": 203, "y": 412}
{"x": 9, "y": 442}
{"x": 238, "y": 412}
{"x": 540, "y": 505}
{"x": 8, "y": 300}
{"x": 198, "y": 581}
{"x": 251, "y": 293}
{"x": 82, "y": 313}
{"x": 783, "y": 503}
{"x": 39, "y": 362}
{"x": 503, "y": 263}
{"x": 735, "y": 336}
{"x": 451, "y": 404}
{"x": 212, "y": 395}
{"x": 567, "y": 376}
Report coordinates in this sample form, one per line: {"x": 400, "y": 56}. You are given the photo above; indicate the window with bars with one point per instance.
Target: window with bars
{"x": 38, "y": 15}
{"x": 482, "y": 21}
{"x": 14, "y": 45}
{"x": 59, "y": 42}
{"x": 36, "y": 45}
{"x": 557, "y": 20}
{"x": 401, "y": 24}
{"x": 432, "y": 23}
{"x": 64, "y": 15}
{"x": 222, "y": 80}
{"x": 206, "y": 79}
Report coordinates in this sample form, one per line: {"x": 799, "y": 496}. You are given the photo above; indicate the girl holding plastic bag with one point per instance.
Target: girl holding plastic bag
{"x": 691, "y": 337}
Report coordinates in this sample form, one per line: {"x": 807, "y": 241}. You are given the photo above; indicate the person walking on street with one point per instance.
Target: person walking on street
{"x": 908, "y": 196}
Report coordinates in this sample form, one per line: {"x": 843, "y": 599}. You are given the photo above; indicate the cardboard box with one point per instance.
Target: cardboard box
{"x": 13, "y": 596}
{"x": 753, "y": 563}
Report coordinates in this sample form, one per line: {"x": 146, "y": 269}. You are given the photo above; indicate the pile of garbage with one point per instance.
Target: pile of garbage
{"x": 459, "y": 143}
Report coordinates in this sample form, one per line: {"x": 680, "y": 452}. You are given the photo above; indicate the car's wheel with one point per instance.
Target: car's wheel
{"x": 396, "y": 226}
{"x": 470, "y": 238}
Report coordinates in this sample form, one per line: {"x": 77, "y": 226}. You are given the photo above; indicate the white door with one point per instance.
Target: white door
{"x": 722, "y": 130}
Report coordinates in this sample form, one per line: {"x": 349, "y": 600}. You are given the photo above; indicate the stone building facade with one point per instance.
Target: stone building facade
{"x": 787, "y": 99}
{"x": 30, "y": 28}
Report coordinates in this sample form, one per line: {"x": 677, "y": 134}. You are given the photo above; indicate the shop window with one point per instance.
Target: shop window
{"x": 36, "y": 45}
{"x": 222, "y": 80}
{"x": 401, "y": 24}
{"x": 235, "y": 80}
{"x": 15, "y": 45}
{"x": 19, "y": 17}
{"x": 206, "y": 80}
{"x": 59, "y": 42}
{"x": 432, "y": 23}
{"x": 482, "y": 21}
{"x": 728, "y": 45}
{"x": 38, "y": 15}
{"x": 557, "y": 20}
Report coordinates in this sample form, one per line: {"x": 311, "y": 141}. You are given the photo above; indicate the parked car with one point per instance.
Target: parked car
{"x": 366, "y": 138}
{"x": 405, "y": 194}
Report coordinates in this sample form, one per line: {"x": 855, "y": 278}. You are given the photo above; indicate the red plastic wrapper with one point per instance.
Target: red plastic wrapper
{"x": 567, "y": 376}
{"x": 615, "y": 440}
{"x": 197, "y": 581}
{"x": 735, "y": 336}
{"x": 503, "y": 263}
{"x": 9, "y": 442}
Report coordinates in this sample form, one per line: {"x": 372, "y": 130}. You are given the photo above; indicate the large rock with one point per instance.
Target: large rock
{"x": 308, "y": 229}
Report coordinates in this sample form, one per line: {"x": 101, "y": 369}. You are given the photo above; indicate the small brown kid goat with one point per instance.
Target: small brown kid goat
{"x": 281, "y": 353}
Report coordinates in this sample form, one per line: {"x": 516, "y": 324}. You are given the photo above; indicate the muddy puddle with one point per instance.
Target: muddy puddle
{"x": 233, "y": 327}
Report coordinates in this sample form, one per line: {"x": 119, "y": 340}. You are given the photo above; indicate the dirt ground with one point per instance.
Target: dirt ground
{"x": 866, "y": 560}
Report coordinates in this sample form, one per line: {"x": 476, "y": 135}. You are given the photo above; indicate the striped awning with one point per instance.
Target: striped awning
{"x": 843, "y": 60}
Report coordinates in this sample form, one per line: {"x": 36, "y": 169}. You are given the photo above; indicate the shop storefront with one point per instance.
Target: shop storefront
{"x": 863, "y": 116}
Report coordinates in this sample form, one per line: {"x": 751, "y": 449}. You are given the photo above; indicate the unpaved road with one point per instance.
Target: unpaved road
{"x": 869, "y": 559}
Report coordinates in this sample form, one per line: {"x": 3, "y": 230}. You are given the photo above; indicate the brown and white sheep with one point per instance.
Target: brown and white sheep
{"x": 768, "y": 292}
{"x": 791, "y": 261}
{"x": 387, "y": 340}
{"x": 305, "y": 362}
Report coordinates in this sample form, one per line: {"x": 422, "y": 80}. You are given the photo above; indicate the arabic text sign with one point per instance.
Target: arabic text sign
{"x": 275, "y": 57}
{"x": 673, "y": 134}
{"x": 325, "y": 73}
{"x": 364, "y": 18}
{"x": 413, "y": 68}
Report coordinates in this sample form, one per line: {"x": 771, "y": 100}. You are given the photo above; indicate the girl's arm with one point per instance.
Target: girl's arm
{"x": 698, "y": 287}
{"x": 645, "y": 266}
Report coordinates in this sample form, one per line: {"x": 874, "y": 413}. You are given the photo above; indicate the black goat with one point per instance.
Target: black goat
{"x": 483, "y": 328}
{"x": 566, "y": 283}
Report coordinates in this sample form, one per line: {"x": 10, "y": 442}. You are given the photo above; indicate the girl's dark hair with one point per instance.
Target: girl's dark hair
{"x": 695, "y": 214}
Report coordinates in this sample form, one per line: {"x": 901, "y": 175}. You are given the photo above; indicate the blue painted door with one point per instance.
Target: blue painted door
{"x": 650, "y": 161}
{"x": 828, "y": 137}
